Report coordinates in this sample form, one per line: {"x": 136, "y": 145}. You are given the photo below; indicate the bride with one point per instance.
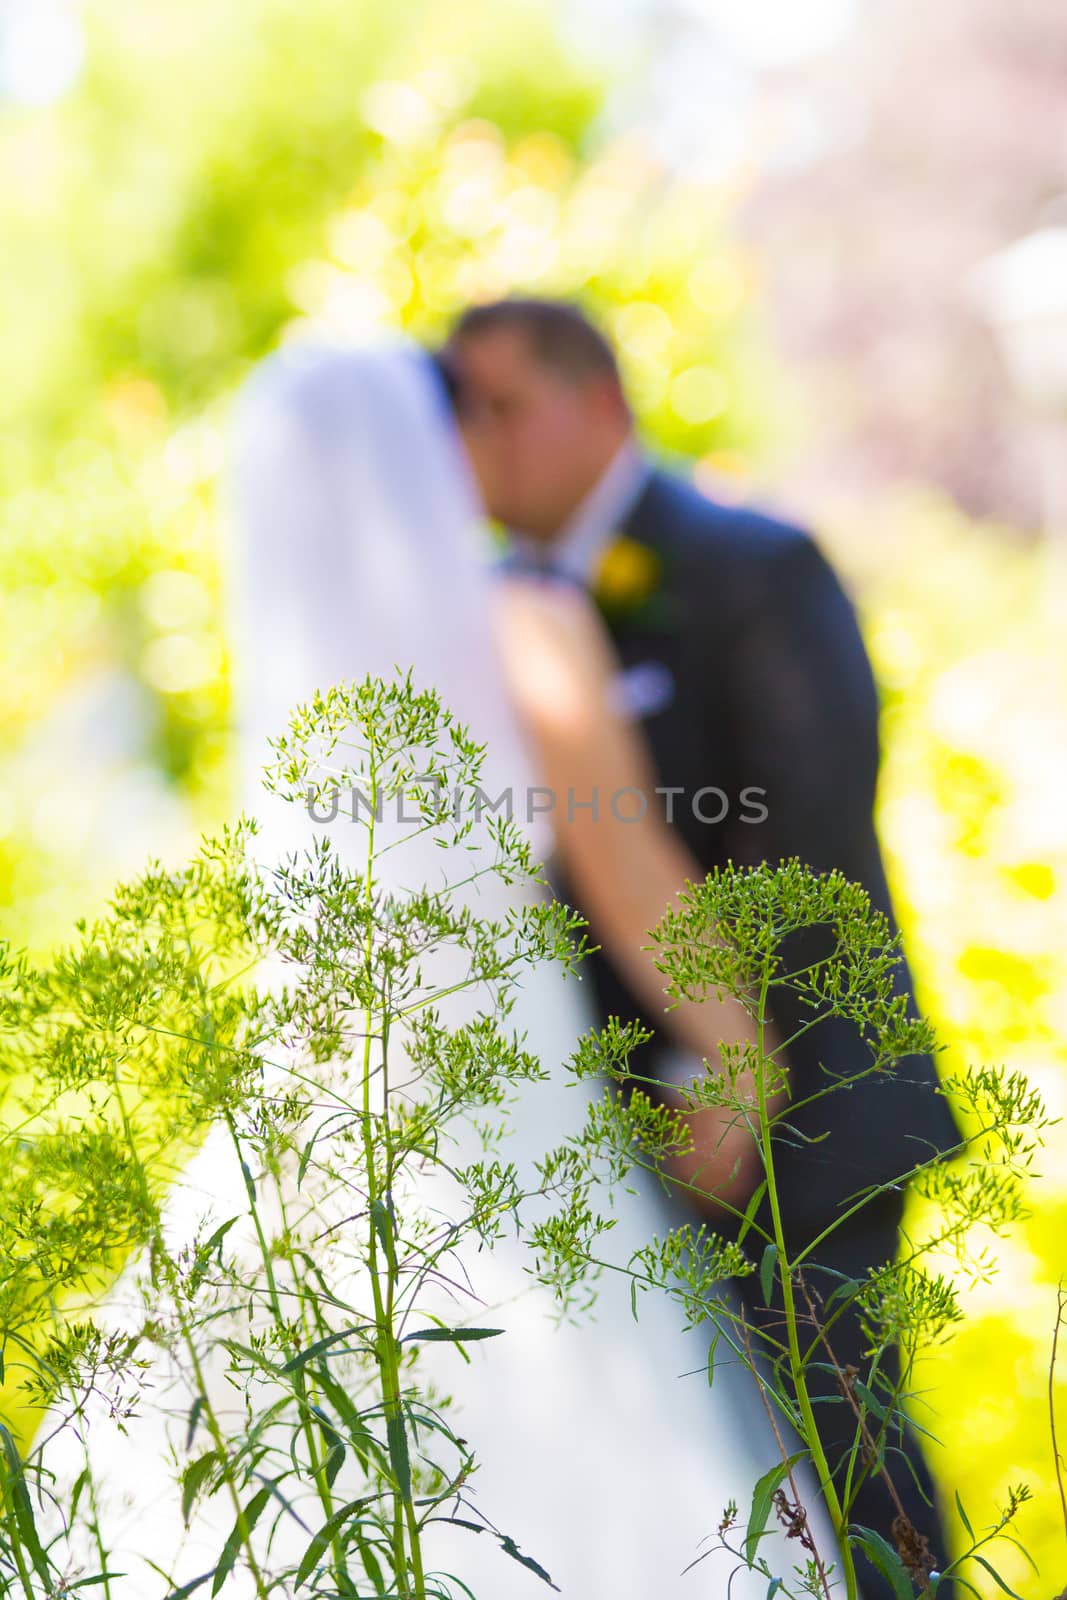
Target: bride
{"x": 602, "y": 1451}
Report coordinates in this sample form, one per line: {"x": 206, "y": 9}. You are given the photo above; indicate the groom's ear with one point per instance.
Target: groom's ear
{"x": 607, "y": 397}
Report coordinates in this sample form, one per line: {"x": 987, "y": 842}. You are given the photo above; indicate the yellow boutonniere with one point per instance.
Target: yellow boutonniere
{"x": 626, "y": 575}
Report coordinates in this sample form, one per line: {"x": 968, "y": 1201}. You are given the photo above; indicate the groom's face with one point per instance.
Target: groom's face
{"x": 538, "y": 438}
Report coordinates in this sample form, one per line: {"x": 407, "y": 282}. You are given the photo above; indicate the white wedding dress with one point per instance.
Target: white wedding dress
{"x": 603, "y": 1454}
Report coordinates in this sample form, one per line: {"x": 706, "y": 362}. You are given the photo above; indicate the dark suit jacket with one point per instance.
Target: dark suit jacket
{"x": 774, "y": 691}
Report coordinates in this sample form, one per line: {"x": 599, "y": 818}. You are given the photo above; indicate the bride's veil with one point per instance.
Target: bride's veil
{"x": 360, "y": 549}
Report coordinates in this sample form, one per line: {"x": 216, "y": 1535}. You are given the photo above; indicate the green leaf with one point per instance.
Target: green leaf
{"x": 305, "y": 1157}
{"x": 316, "y": 1349}
{"x": 370, "y": 1562}
{"x": 233, "y": 1544}
{"x": 205, "y": 1251}
{"x": 846, "y": 1289}
{"x": 368, "y": 1449}
{"x": 870, "y": 1400}
{"x": 194, "y": 1416}
{"x": 322, "y": 1540}
{"x": 995, "y": 1575}
{"x": 290, "y": 1509}
{"x": 450, "y": 1335}
{"x": 75, "y": 1496}
{"x": 329, "y": 1432}
{"x": 16, "y": 1492}
{"x": 886, "y": 1559}
{"x": 334, "y": 1460}
{"x": 383, "y": 1226}
{"x": 1023, "y": 1551}
{"x": 396, "y": 1434}
{"x": 235, "y": 1347}
{"x": 963, "y": 1516}
{"x": 511, "y": 1549}
{"x": 305, "y": 1154}
{"x": 460, "y": 1522}
{"x": 711, "y": 1356}
{"x": 751, "y": 1209}
{"x": 190, "y": 1587}
{"x": 192, "y": 1478}
{"x": 216, "y": 1238}
{"x": 766, "y": 1271}
{"x": 762, "y": 1499}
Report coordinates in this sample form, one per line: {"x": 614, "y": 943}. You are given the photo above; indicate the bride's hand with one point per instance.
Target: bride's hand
{"x": 560, "y": 668}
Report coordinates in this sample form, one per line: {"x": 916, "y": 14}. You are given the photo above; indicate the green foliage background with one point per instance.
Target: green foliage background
{"x": 221, "y": 178}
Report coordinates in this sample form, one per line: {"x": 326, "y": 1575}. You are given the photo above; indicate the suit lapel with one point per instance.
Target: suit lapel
{"x": 685, "y": 734}
{"x": 653, "y": 625}
{"x": 647, "y": 637}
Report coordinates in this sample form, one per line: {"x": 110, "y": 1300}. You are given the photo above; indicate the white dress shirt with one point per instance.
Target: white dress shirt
{"x": 576, "y": 550}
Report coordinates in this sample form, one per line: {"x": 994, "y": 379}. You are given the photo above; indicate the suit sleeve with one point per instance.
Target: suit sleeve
{"x": 803, "y": 713}
{"x": 803, "y": 706}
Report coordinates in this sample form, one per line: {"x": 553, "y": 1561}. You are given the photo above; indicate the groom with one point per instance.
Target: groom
{"x": 740, "y": 654}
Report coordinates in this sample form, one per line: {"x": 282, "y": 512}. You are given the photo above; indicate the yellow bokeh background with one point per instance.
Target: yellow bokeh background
{"x": 217, "y": 182}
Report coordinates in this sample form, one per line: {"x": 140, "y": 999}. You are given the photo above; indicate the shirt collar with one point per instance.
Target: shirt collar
{"x": 578, "y": 546}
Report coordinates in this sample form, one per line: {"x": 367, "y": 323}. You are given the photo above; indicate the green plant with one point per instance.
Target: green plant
{"x": 730, "y": 936}
{"x": 336, "y": 1091}
{"x": 331, "y": 1091}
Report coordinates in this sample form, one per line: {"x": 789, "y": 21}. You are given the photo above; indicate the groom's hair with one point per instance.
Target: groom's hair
{"x": 560, "y": 335}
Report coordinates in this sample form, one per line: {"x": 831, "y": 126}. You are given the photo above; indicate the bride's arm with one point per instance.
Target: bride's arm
{"x": 559, "y": 667}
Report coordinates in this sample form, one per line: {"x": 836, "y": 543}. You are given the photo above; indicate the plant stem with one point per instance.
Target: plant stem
{"x": 219, "y": 1441}
{"x": 318, "y": 1473}
{"x": 189, "y": 1342}
{"x": 414, "y": 1536}
{"x": 810, "y": 1428}
{"x": 1057, "y": 1459}
{"x": 16, "y": 1544}
{"x": 325, "y": 1492}
{"x": 405, "y": 1525}
{"x": 824, "y": 1578}
{"x": 97, "y": 1535}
